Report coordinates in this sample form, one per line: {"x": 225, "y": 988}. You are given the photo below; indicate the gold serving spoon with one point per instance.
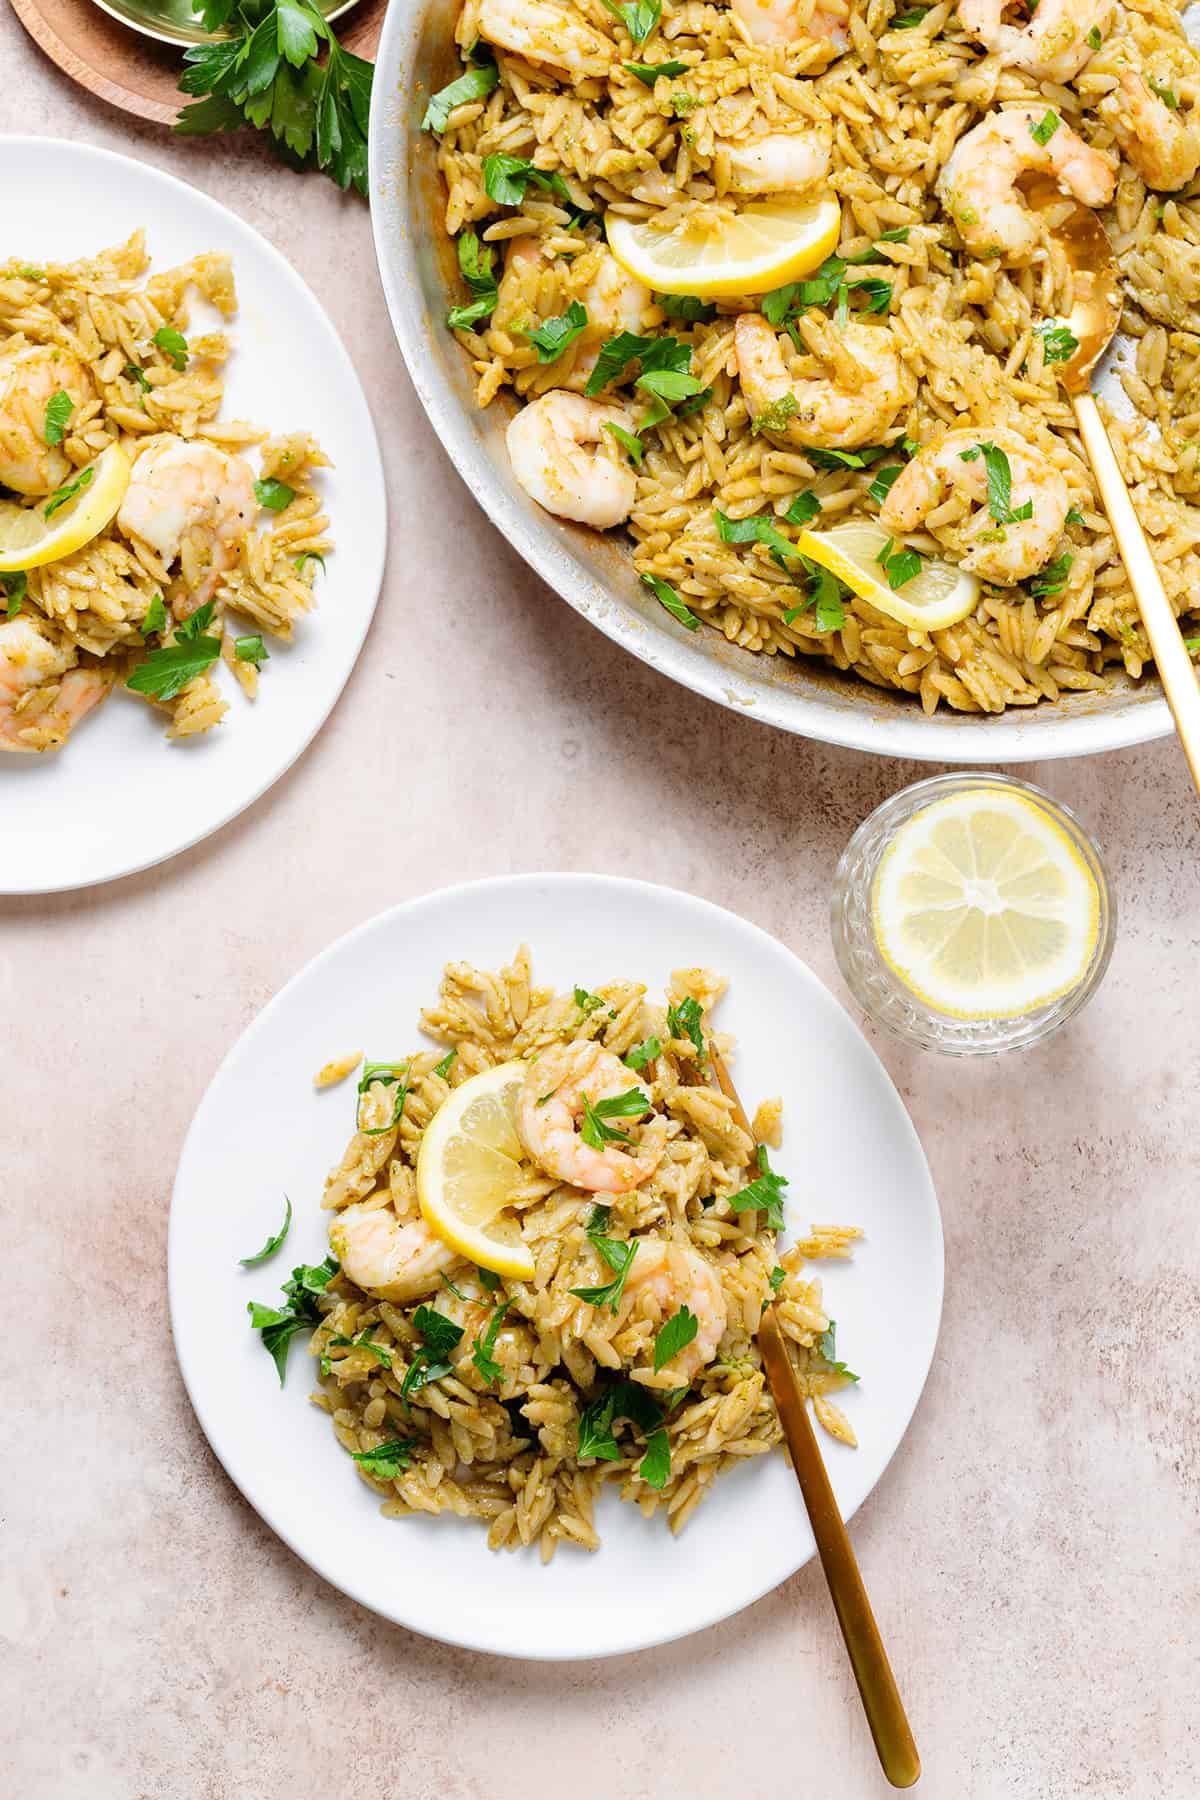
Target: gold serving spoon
{"x": 868, "y": 1658}
{"x": 1093, "y": 321}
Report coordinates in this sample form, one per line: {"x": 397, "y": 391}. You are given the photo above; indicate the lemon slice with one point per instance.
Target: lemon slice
{"x": 984, "y": 907}
{"x": 764, "y": 245}
{"x": 469, "y": 1164}
{"x": 28, "y": 538}
{"x": 939, "y": 595}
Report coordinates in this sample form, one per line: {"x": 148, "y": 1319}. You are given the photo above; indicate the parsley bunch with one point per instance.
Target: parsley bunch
{"x": 267, "y": 73}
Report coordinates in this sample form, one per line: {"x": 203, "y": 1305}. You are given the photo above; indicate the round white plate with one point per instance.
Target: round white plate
{"x": 850, "y": 1153}
{"x": 119, "y": 796}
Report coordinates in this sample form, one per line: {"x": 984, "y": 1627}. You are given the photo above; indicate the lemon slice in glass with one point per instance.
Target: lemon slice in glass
{"x": 984, "y": 908}
{"x": 469, "y": 1164}
{"x": 939, "y": 594}
{"x": 764, "y": 245}
{"x": 65, "y": 521}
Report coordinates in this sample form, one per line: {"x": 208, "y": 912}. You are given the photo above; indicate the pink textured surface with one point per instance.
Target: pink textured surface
{"x": 1031, "y": 1552}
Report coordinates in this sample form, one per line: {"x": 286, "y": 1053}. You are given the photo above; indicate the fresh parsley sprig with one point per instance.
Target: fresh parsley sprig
{"x": 765, "y": 1193}
{"x": 266, "y": 72}
{"x": 300, "y": 1312}
{"x": 166, "y": 671}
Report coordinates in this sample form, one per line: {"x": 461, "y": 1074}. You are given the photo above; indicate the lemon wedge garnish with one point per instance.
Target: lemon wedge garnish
{"x": 80, "y": 510}
{"x": 469, "y": 1164}
{"x": 984, "y": 908}
{"x": 764, "y": 245}
{"x": 939, "y": 595}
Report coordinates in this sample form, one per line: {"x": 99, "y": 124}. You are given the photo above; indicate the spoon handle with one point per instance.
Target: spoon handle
{"x": 872, "y": 1671}
{"x": 1175, "y": 667}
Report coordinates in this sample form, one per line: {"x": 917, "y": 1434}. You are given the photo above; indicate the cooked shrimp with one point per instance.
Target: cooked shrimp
{"x": 544, "y": 32}
{"x": 42, "y": 693}
{"x": 1163, "y": 144}
{"x": 978, "y": 185}
{"x": 391, "y": 1260}
{"x": 29, "y": 379}
{"x": 945, "y": 490}
{"x": 1052, "y": 46}
{"x": 551, "y": 1105}
{"x": 855, "y": 402}
{"x": 673, "y": 1275}
{"x": 191, "y": 501}
{"x": 783, "y": 161}
{"x": 787, "y": 21}
{"x": 562, "y": 456}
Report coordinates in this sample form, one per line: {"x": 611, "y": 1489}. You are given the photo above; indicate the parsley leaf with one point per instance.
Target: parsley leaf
{"x": 827, "y": 1345}
{"x": 652, "y": 354}
{"x": 274, "y": 495}
{"x": 640, "y": 1054}
{"x": 688, "y": 307}
{"x": 587, "y": 1003}
{"x": 999, "y": 485}
{"x": 1074, "y": 516}
{"x": 165, "y": 672}
{"x": 804, "y": 509}
{"x": 554, "y": 336}
{"x": 385, "y": 1461}
{"x": 881, "y": 486}
{"x": 443, "y": 1068}
{"x": 441, "y": 1334}
{"x": 776, "y": 1278}
{"x": 1045, "y": 128}
{"x": 639, "y": 17}
{"x": 472, "y": 84}
{"x": 156, "y": 617}
{"x": 505, "y": 179}
{"x": 251, "y": 650}
{"x": 674, "y": 1336}
{"x": 906, "y": 20}
{"x": 1053, "y": 578}
{"x": 1167, "y": 95}
{"x": 629, "y": 441}
{"x": 655, "y": 1466}
{"x": 759, "y": 528}
{"x": 666, "y": 595}
{"x": 1094, "y": 39}
{"x": 272, "y": 1244}
{"x": 59, "y": 408}
{"x": 687, "y": 1021}
{"x": 629, "y": 1105}
{"x": 847, "y": 459}
{"x": 475, "y": 263}
{"x": 68, "y": 491}
{"x": 650, "y": 72}
{"x": 622, "y": 1400}
{"x": 765, "y": 1192}
{"x": 482, "y": 1355}
{"x": 900, "y": 566}
{"x": 280, "y": 1325}
{"x": 173, "y": 345}
{"x": 1059, "y": 343}
{"x": 619, "y": 1257}
{"x": 488, "y": 1278}
{"x": 382, "y": 1355}
{"x": 14, "y": 587}
{"x": 389, "y": 1075}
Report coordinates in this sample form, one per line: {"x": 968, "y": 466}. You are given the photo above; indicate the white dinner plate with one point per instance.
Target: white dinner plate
{"x": 120, "y": 797}
{"x": 850, "y": 1153}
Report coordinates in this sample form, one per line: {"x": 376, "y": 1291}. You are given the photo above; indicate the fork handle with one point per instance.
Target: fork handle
{"x": 1175, "y": 667}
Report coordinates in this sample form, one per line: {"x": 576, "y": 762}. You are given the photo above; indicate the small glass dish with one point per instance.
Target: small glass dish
{"x": 880, "y": 991}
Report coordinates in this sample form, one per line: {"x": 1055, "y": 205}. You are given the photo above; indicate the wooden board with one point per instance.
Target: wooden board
{"x": 133, "y": 72}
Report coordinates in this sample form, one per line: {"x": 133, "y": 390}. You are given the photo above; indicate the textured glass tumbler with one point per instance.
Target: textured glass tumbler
{"x": 881, "y": 993}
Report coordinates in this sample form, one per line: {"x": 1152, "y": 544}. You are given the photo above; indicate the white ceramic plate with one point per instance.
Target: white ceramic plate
{"x": 119, "y": 797}
{"x": 849, "y": 1150}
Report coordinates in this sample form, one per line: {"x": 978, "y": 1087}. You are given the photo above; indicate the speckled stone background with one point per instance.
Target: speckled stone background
{"x": 1032, "y": 1552}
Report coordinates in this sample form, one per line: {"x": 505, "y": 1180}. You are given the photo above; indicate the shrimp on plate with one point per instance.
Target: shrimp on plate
{"x": 665, "y": 1276}
{"x": 978, "y": 185}
{"x": 944, "y": 490}
{"x": 385, "y": 1257}
{"x": 1053, "y": 45}
{"x": 562, "y": 456}
{"x": 1159, "y": 137}
{"x": 29, "y": 379}
{"x": 550, "y": 1110}
{"x": 855, "y": 402}
{"x": 544, "y": 32}
{"x": 770, "y": 22}
{"x": 192, "y": 502}
{"x": 780, "y": 162}
{"x": 43, "y": 694}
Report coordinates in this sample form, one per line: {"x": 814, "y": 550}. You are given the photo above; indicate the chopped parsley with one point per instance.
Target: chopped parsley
{"x": 393, "y": 1075}
{"x": 759, "y": 528}
{"x": 847, "y": 459}
{"x": 650, "y": 72}
{"x": 765, "y": 1193}
{"x": 906, "y": 20}
{"x": 828, "y": 286}
{"x": 683, "y": 104}
{"x": 473, "y": 84}
{"x": 385, "y": 1461}
{"x": 666, "y": 596}
{"x": 68, "y": 491}
{"x": 1045, "y": 127}
{"x": 629, "y": 441}
{"x": 433, "y": 1360}
{"x": 627, "y": 1400}
{"x": 824, "y": 596}
{"x": 617, "y": 1254}
{"x": 776, "y": 1278}
{"x": 643, "y": 1053}
{"x": 165, "y": 672}
{"x": 827, "y": 1345}
{"x": 476, "y": 266}
{"x": 687, "y": 1021}
{"x": 131, "y": 372}
{"x": 651, "y": 353}
{"x": 1094, "y": 39}
{"x": 173, "y": 345}
{"x": 804, "y": 509}
{"x": 639, "y": 17}
{"x": 900, "y": 566}
{"x": 1074, "y": 516}
{"x": 59, "y": 408}
{"x": 274, "y": 495}
{"x": 1059, "y": 343}
{"x": 279, "y": 1325}
{"x": 272, "y": 1244}
{"x": 999, "y": 485}
{"x": 553, "y": 336}
{"x": 251, "y": 650}
{"x": 587, "y": 1003}
{"x": 1053, "y": 578}
{"x": 655, "y": 1466}
{"x": 27, "y": 272}
{"x": 482, "y": 1355}
{"x": 156, "y": 617}
{"x": 505, "y": 179}
{"x": 674, "y": 1336}
{"x": 596, "y": 1132}
{"x": 1167, "y": 95}
{"x": 488, "y": 1279}
{"x": 443, "y": 1068}
{"x": 899, "y": 234}
{"x": 881, "y": 486}
{"x": 688, "y": 307}
{"x": 14, "y": 587}
{"x": 382, "y": 1355}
